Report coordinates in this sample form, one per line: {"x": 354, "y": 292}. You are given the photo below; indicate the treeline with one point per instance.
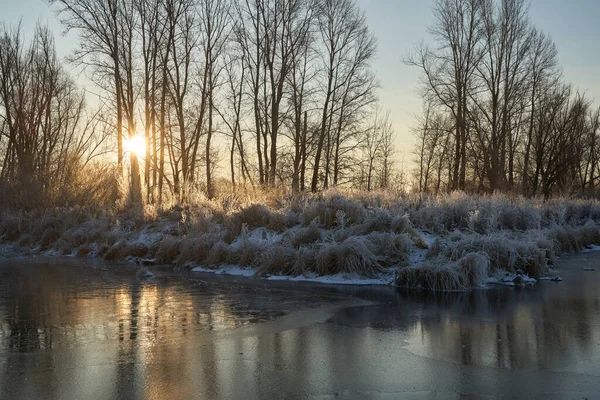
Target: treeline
{"x": 498, "y": 115}
{"x": 48, "y": 135}
{"x": 287, "y": 85}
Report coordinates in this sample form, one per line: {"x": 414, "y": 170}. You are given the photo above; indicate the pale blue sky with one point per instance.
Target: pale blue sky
{"x": 399, "y": 25}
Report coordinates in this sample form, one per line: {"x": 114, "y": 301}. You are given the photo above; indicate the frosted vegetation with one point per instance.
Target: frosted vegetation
{"x": 448, "y": 242}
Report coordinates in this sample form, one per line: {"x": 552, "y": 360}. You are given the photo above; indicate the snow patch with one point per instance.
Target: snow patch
{"x": 591, "y": 249}
{"x": 338, "y": 279}
{"x": 233, "y": 270}
{"x": 149, "y": 239}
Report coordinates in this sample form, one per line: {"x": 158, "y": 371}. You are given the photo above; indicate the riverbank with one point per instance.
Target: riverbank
{"x": 444, "y": 243}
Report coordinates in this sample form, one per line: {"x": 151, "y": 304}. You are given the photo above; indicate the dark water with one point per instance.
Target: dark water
{"x": 70, "y": 330}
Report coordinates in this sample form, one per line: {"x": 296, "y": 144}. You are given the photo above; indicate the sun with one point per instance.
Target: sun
{"x": 136, "y": 145}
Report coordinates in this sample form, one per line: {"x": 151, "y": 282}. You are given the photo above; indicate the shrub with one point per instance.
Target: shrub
{"x": 246, "y": 254}
{"x": 305, "y": 261}
{"x": 83, "y": 251}
{"x": 353, "y": 255}
{"x": 307, "y": 235}
{"x": 254, "y": 215}
{"x": 136, "y": 249}
{"x": 503, "y": 251}
{"x": 379, "y": 221}
{"x": 278, "y": 221}
{"x": 10, "y": 226}
{"x": 197, "y": 249}
{"x": 123, "y": 249}
{"x": 393, "y": 249}
{"x": 116, "y": 252}
{"x": 330, "y": 208}
{"x": 218, "y": 254}
{"x": 465, "y": 273}
{"x": 49, "y": 236}
{"x": 168, "y": 250}
{"x": 278, "y": 259}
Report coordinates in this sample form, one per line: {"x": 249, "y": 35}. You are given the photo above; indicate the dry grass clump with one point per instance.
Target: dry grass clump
{"x": 469, "y": 271}
{"x": 307, "y": 235}
{"x": 334, "y": 209}
{"x": 550, "y": 249}
{"x": 377, "y": 221}
{"x": 136, "y": 249}
{"x": 499, "y": 212}
{"x": 89, "y": 232}
{"x": 168, "y": 250}
{"x": 590, "y": 234}
{"x": 197, "y": 249}
{"x": 394, "y": 249}
{"x": 355, "y": 255}
{"x": 305, "y": 261}
{"x": 47, "y": 227}
{"x": 112, "y": 236}
{"x": 83, "y": 251}
{"x": 380, "y": 221}
{"x": 235, "y": 197}
{"x": 218, "y": 254}
{"x": 278, "y": 221}
{"x": 255, "y": 216}
{"x": 277, "y": 260}
{"x": 49, "y": 236}
{"x": 123, "y": 249}
{"x": 10, "y": 226}
{"x": 504, "y": 252}
{"x": 481, "y": 214}
{"x": 401, "y": 224}
{"x": 26, "y": 240}
{"x": 245, "y": 250}
{"x": 116, "y": 252}
{"x": 574, "y": 239}
{"x": 173, "y": 214}
{"x": 519, "y": 217}
{"x": 443, "y": 213}
{"x": 567, "y": 211}
{"x": 385, "y": 199}
{"x": 246, "y": 253}
{"x": 195, "y": 220}
{"x": 567, "y": 239}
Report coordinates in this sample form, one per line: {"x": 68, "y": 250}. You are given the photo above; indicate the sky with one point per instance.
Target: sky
{"x": 399, "y": 26}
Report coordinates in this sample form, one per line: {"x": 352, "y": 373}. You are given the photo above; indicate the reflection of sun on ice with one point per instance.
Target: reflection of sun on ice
{"x": 136, "y": 145}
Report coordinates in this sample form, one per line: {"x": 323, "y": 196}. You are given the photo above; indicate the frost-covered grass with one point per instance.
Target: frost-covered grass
{"x": 448, "y": 242}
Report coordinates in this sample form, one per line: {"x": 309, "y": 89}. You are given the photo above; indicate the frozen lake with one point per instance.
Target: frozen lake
{"x": 76, "y": 330}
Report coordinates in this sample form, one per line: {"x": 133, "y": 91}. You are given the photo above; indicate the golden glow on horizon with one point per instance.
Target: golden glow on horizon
{"x": 136, "y": 145}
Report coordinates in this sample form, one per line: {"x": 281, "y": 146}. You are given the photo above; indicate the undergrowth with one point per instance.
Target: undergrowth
{"x": 368, "y": 234}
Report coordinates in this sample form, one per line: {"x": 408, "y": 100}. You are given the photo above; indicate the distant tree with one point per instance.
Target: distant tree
{"x": 348, "y": 47}
{"x": 214, "y": 16}
{"x": 106, "y": 31}
{"x": 542, "y": 64}
{"x": 45, "y": 133}
{"x": 449, "y": 69}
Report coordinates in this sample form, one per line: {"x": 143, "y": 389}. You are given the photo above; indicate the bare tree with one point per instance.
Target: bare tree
{"x": 448, "y": 70}
{"x": 231, "y": 114}
{"x": 503, "y": 77}
{"x": 542, "y": 63}
{"x": 106, "y": 43}
{"x": 43, "y": 125}
{"x": 377, "y": 148}
{"x": 152, "y": 31}
{"x": 215, "y": 27}
{"x": 348, "y": 48}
